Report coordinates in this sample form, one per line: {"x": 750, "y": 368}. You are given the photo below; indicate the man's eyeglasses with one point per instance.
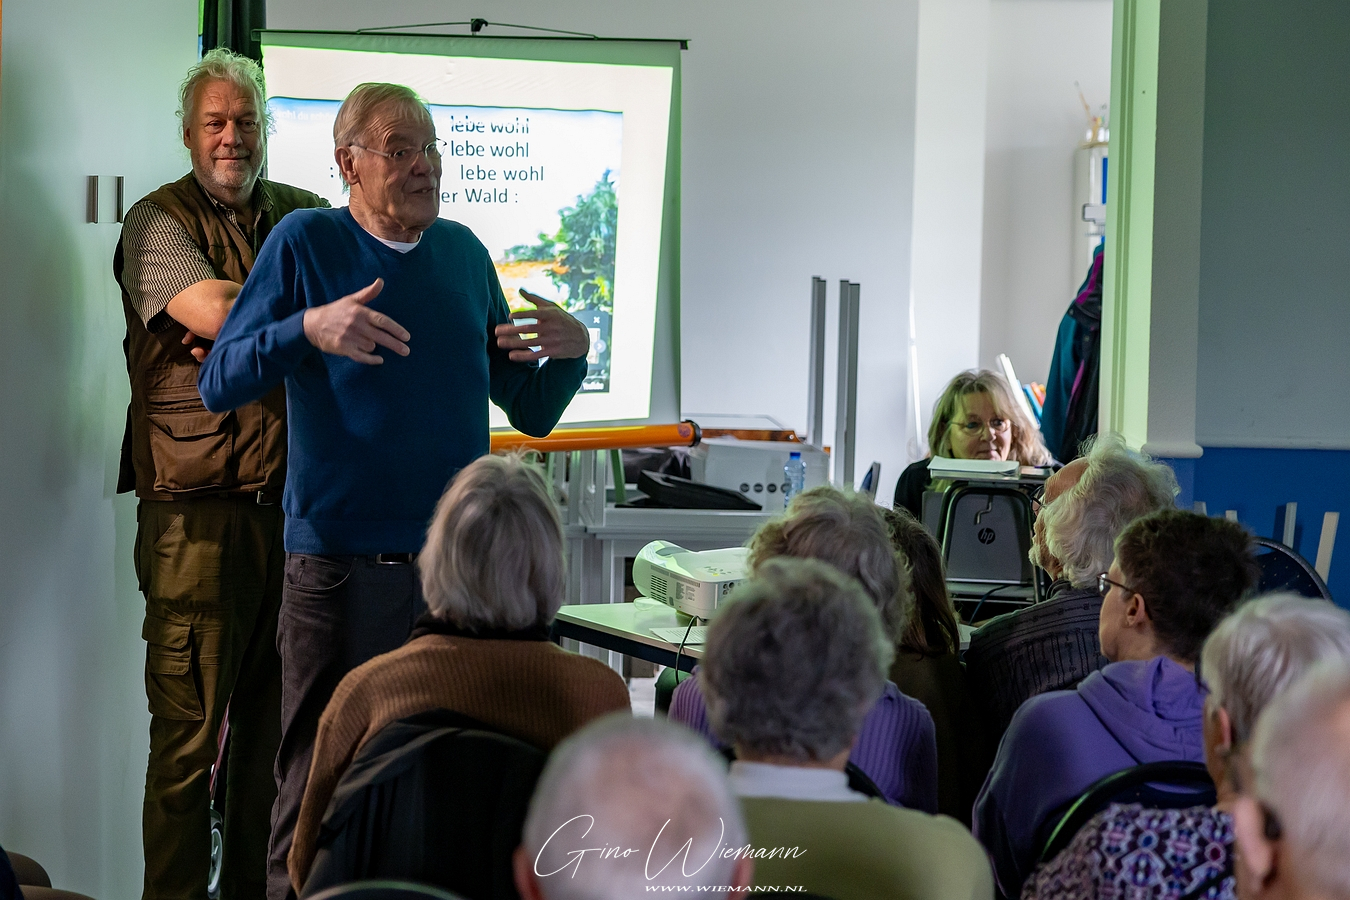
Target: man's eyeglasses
{"x": 1104, "y": 585}
{"x": 408, "y": 155}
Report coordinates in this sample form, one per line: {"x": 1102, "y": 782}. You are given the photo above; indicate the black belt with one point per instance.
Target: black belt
{"x": 394, "y": 559}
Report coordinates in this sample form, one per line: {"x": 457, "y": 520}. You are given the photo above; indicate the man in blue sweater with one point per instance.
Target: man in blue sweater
{"x": 389, "y": 328}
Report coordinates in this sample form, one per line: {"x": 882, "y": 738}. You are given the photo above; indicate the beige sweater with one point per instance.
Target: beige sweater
{"x": 531, "y": 690}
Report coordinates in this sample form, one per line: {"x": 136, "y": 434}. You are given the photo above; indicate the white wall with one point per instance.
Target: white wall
{"x": 1034, "y": 122}
{"x": 949, "y": 167}
{"x": 86, "y": 88}
{"x": 797, "y": 161}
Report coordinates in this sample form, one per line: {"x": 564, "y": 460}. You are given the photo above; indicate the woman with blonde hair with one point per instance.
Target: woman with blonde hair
{"x": 977, "y": 417}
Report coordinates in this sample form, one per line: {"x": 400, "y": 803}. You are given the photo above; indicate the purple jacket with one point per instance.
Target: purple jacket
{"x": 1061, "y": 742}
{"x": 896, "y": 748}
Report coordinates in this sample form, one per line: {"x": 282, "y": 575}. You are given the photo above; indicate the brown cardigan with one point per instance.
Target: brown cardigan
{"x": 531, "y": 690}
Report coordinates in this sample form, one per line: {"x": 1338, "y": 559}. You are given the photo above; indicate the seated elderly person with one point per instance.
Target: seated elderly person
{"x": 977, "y": 417}
{"x": 1085, "y": 507}
{"x": 793, "y": 664}
{"x": 1175, "y": 576}
{"x": 632, "y": 783}
{"x": 493, "y": 577}
{"x": 927, "y": 667}
{"x": 897, "y": 745}
{"x": 1292, "y": 821}
{"x": 1150, "y": 854}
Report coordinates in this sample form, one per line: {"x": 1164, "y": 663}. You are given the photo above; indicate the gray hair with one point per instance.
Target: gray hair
{"x": 849, "y": 532}
{"x": 1303, "y": 774}
{"x": 1118, "y": 486}
{"x": 493, "y": 558}
{"x": 1264, "y": 646}
{"x": 358, "y": 110}
{"x": 794, "y": 662}
{"x": 632, "y": 781}
{"x": 221, "y": 64}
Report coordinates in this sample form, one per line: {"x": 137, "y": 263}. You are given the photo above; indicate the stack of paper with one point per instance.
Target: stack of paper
{"x": 942, "y": 467}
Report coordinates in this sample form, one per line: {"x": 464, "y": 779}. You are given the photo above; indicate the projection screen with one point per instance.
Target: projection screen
{"x": 562, "y": 156}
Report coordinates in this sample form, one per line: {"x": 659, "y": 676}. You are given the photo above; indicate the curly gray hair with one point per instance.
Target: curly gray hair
{"x": 1117, "y": 487}
{"x": 849, "y": 532}
{"x": 494, "y": 552}
{"x": 794, "y": 662}
{"x": 221, "y": 64}
{"x": 1264, "y": 646}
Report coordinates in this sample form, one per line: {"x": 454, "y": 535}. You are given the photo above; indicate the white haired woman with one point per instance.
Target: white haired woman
{"x": 493, "y": 575}
{"x": 1253, "y": 655}
{"x": 977, "y": 417}
{"x": 794, "y": 663}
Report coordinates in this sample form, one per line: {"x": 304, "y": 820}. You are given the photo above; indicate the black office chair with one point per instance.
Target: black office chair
{"x": 1282, "y": 569}
{"x": 986, "y": 535}
{"x": 385, "y": 890}
{"x": 1174, "y": 784}
{"x": 435, "y": 799}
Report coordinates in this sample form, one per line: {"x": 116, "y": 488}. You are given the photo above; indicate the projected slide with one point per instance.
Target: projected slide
{"x": 558, "y": 168}
{"x": 539, "y": 187}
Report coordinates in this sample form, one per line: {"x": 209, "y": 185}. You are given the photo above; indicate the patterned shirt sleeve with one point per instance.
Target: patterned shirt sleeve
{"x": 160, "y": 261}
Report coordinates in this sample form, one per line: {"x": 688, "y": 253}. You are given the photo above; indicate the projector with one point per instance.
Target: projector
{"x": 692, "y": 582}
{"x": 755, "y": 468}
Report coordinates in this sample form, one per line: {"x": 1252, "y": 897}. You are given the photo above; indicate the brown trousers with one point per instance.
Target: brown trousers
{"x": 211, "y": 571}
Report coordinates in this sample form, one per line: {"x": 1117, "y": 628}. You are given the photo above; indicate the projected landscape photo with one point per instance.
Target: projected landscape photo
{"x": 539, "y": 187}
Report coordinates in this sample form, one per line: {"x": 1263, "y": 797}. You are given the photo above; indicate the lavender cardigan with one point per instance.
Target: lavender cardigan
{"x": 896, "y": 748}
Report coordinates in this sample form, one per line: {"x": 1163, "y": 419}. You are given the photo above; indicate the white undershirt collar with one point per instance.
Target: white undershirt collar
{"x": 400, "y": 246}
{"x": 752, "y": 779}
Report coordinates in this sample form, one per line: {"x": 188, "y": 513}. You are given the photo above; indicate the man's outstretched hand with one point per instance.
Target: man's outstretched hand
{"x": 347, "y": 327}
{"x": 556, "y": 333}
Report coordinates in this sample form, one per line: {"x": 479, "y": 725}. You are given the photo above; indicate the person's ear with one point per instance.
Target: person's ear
{"x": 523, "y": 871}
{"x": 346, "y": 163}
{"x": 1255, "y": 855}
{"x": 187, "y": 135}
{"x": 1136, "y": 611}
{"x": 1224, "y": 724}
{"x": 742, "y": 877}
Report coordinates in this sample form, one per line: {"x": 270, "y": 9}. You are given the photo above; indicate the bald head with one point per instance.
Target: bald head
{"x": 1293, "y": 823}
{"x": 1055, "y": 485}
{"x": 638, "y": 785}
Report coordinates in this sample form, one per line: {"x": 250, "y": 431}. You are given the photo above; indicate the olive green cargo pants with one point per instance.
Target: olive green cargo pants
{"x": 211, "y": 571}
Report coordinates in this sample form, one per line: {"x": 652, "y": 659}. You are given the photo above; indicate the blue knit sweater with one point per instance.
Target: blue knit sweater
{"x": 371, "y": 448}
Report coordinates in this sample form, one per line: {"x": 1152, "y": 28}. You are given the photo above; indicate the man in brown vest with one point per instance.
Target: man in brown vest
{"x": 209, "y": 552}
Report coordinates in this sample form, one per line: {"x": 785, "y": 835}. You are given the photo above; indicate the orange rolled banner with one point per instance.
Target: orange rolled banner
{"x": 683, "y": 434}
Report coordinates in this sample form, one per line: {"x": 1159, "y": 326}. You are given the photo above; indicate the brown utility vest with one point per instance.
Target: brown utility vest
{"x": 174, "y": 447}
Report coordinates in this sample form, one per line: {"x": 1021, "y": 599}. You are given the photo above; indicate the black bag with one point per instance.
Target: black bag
{"x": 435, "y": 798}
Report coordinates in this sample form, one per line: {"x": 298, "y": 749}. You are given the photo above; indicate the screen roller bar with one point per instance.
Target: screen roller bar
{"x": 682, "y": 434}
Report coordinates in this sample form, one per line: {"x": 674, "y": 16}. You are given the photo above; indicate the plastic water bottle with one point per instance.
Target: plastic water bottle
{"x": 794, "y": 477}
